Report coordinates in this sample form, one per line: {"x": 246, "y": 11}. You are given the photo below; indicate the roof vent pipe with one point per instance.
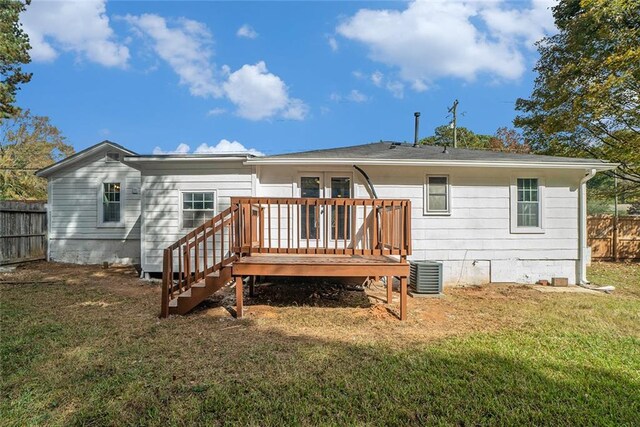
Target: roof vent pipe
{"x": 415, "y": 138}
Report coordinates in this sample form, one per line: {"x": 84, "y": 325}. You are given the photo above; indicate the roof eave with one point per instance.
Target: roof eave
{"x": 600, "y": 166}
{"x": 49, "y": 170}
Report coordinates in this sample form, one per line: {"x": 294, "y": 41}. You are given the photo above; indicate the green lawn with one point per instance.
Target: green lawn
{"x": 90, "y": 351}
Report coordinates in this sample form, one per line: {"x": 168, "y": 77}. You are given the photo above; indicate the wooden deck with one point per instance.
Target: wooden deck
{"x": 289, "y": 237}
{"x": 319, "y": 265}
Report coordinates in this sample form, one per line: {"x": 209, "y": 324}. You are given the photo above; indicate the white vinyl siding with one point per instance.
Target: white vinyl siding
{"x": 477, "y": 230}
{"x": 163, "y": 186}
{"x": 77, "y": 232}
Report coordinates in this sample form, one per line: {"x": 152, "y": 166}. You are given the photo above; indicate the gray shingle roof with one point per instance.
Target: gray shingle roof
{"x": 401, "y": 151}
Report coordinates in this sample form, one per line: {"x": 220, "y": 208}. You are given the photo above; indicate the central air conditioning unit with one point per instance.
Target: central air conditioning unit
{"x": 425, "y": 277}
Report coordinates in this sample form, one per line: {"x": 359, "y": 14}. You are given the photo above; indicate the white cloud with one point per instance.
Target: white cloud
{"x": 333, "y": 43}
{"x": 376, "y": 78}
{"x": 227, "y": 147}
{"x": 433, "y": 39}
{"x": 186, "y": 47}
{"x": 247, "y": 32}
{"x": 353, "y": 96}
{"x": 260, "y": 94}
{"x": 396, "y": 88}
{"x": 530, "y": 25}
{"x": 79, "y": 27}
{"x": 180, "y": 149}
{"x": 216, "y": 111}
{"x": 356, "y": 96}
{"x": 223, "y": 147}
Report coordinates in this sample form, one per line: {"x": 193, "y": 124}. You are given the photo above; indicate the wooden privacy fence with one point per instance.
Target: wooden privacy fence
{"x": 23, "y": 231}
{"x": 612, "y": 239}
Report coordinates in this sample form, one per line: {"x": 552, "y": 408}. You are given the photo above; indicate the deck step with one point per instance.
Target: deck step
{"x": 198, "y": 292}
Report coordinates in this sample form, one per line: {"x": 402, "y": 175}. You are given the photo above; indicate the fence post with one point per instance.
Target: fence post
{"x": 615, "y": 237}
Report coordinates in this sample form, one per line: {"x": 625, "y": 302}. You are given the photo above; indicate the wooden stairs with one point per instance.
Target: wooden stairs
{"x": 200, "y": 263}
{"x": 199, "y": 291}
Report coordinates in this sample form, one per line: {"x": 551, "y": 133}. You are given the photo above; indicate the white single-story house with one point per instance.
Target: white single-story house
{"x": 487, "y": 216}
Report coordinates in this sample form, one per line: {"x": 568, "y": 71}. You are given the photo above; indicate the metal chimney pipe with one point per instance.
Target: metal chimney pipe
{"x": 415, "y": 139}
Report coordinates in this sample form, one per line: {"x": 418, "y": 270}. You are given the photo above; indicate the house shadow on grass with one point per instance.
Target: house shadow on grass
{"x": 251, "y": 376}
{"x": 87, "y": 365}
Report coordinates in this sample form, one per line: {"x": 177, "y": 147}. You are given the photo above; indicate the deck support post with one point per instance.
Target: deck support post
{"x": 403, "y": 298}
{"x": 239, "y": 297}
{"x": 252, "y": 284}
{"x": 389, "y": 289}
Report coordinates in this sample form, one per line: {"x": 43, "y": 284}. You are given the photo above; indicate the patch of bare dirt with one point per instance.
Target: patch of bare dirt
{"x": 324, "y": 309}
{"x": 123, "y": 280}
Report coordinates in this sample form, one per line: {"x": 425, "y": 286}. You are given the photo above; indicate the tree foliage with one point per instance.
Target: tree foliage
{"x": 28, "y": 143}
{"x": 443, "y": 135}
{"x": 586, "y": 98}
{"x": 14, "y": 51}
{"x": 505, "y": 139}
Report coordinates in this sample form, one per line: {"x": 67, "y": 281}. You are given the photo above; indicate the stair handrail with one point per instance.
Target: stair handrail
{"x": 193, "y": 254}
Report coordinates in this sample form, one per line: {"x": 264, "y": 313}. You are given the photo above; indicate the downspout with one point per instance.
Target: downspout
{"x": 366, "y": 177}
{"x": 582, "y": 227}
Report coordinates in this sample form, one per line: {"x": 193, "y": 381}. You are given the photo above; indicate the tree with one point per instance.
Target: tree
{"x": 586, "y": 97}
{"x": 28, "y": 143}
{"x": 505, "y": 139}
{"x": 14, "y": 51}
{"x": 443, "y": 135}
{"x": 509, "y": 140}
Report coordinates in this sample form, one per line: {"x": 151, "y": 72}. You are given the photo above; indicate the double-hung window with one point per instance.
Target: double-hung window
{"x": 197, "y": 207}
{"x": 111, "y": 202}
{"x": 527, "y": 205}
{"x": 528, "y": 210}
{"x": 437, "y": 195}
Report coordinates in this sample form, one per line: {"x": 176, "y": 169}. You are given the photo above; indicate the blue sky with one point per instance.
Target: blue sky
{"x": 276, "y": 76}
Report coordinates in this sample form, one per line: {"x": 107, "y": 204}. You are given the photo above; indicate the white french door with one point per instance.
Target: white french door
{"x": 325, "y": 225}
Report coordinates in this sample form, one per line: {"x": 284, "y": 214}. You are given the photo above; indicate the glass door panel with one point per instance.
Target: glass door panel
{"x": 340, "y": 215}
{"x": 310, "y": 186}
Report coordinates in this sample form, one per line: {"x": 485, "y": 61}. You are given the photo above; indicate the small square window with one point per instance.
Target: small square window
{"x": 197, "y": 207}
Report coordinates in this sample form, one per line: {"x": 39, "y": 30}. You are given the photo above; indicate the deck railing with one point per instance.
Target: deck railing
{"x": 325, "y": 226}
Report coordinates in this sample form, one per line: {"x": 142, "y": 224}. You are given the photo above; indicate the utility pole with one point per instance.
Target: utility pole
{"x": 453, "y": 110}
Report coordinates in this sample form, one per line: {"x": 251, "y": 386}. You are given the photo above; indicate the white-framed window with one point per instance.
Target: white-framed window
{"x": 437, "y": 198}
{"x": 527, "y": 205}
{"x": 197, "y": 207}
{"x": 112, "y": 156}
{"x": 111, "y": 204}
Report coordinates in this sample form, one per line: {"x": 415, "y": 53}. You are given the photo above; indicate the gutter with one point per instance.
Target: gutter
{"x": 582, "y": 227}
